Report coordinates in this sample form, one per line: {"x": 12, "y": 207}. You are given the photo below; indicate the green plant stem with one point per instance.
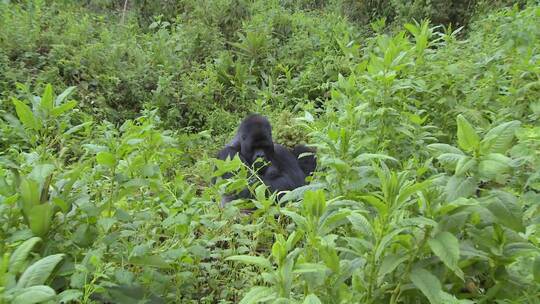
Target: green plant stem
{"x": 397, "y": 291}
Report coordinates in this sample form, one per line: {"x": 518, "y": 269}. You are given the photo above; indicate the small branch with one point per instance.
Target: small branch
{"x": 124, "y": 11}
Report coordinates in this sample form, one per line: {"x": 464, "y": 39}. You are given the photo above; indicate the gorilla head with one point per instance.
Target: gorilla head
{"x": 255, "y": 136}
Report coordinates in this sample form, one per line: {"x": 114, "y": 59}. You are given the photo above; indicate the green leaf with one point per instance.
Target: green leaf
{"x": 460, "y": 186}
{"x": 77, "y": 128}
{"x": 41, "y": 172}
{"x": 505, "y": 217}
{"x": 34, "y": 294}
{"x": 106, "y": 159}
{"x": 40, "y": 271}
{"x": 446, "y": 246}
{"x": 361, "y": 224}
{"x": 258, "y": 294}
{"x": 47, "y": 99}
{"x": 64, "y": 95}
{"x": 40, "y": 218}
{"x": 499, "y": 139}
{"x": 150, "y": 260}
{"x": 451, "y": 158}
{"x": 428, "y": 284}
{"x": 18, "y": 257}
{"x": 30, "y": 193}
{"x": 444, "y": 148}
{"x": 310, "y": 268}
{"x": 312, "y": 299}
{"x": 390, "y": 262}
{"x": 248, "y": 259}
{"x": 61, "y": 109}
{"x": 69, "y": 295}
{"x": 465, "y": 165}
{"x": 468, "y": 139}
{"x": 25, "y": 115}
{"x": 299, "y": 220}
{"x": 536, "y": 269}
{"x": 493, "y": 166}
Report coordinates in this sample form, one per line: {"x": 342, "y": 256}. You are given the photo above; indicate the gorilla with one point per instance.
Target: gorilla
{"x": 278, "y": 168}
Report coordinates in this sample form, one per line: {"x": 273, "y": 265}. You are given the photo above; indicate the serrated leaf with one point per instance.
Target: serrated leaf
{"x": 19, "y": 256}
{"x": 428, "y": 284}
{"x": 505, "y": 217}
{"x": 34, "y": 294}
{"x": 25, "y": 115}
{"x": 444, "y": 148}
{"x": 458, "y": 186}
{"x": 450, "y": 158}
{"x": 258, "y": 294}
{"x": 446, "y": 246}
{"x": 499, "y": 139}
{"x": 468, "y": 139}
{"x": 39, "y": 272}
{"x": 248, "y": 259}
{"x": 361, "y": 224}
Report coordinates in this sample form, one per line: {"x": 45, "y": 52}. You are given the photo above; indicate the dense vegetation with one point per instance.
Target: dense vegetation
{"x": 427, "y": 137}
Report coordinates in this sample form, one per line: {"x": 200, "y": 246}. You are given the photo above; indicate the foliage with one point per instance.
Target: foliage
{"x": 427, "y": 141}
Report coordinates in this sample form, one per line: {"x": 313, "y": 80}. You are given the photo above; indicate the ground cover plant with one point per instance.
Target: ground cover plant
{"x": 425, "y": 118}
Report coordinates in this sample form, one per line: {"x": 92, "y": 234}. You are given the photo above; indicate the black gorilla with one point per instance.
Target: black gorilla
{"x": 280, "y": 168}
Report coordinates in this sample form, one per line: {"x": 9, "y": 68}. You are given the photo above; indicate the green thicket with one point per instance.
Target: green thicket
{"x": 427, "y": 137}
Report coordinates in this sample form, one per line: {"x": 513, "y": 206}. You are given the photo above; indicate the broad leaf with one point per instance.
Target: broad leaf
{"x": 428, "y": 284}
{"x": 499, "y": 139}
{"x": 493, "y": 166}
{"x": 258, "y": 294}
{"x": 106, "y": 159}
{"x": 47, "y": 99}
{"x": 40, "y": 271}
{"x": 505, "y": 217}
{"x": 390, "y": 262}
{"x": 460, "y": 187}
{"x": 34, "y": 294}
{"x": 40, "y": 218}
{"x": 25, "y": 115}
{"x": 468, "y": 139}
{"x": 19, "y": 256}
{"x": 69, "y": 295}
{"x": 248, "y": 259}
{"x": 312, "y": 299}
{"x": 61, "y": 109}
{"x": 444, "y": 148}
{"x": 446, "y": 246}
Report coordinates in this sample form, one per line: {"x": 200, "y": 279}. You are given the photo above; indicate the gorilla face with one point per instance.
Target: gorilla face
{"x": 256, "y": 143}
